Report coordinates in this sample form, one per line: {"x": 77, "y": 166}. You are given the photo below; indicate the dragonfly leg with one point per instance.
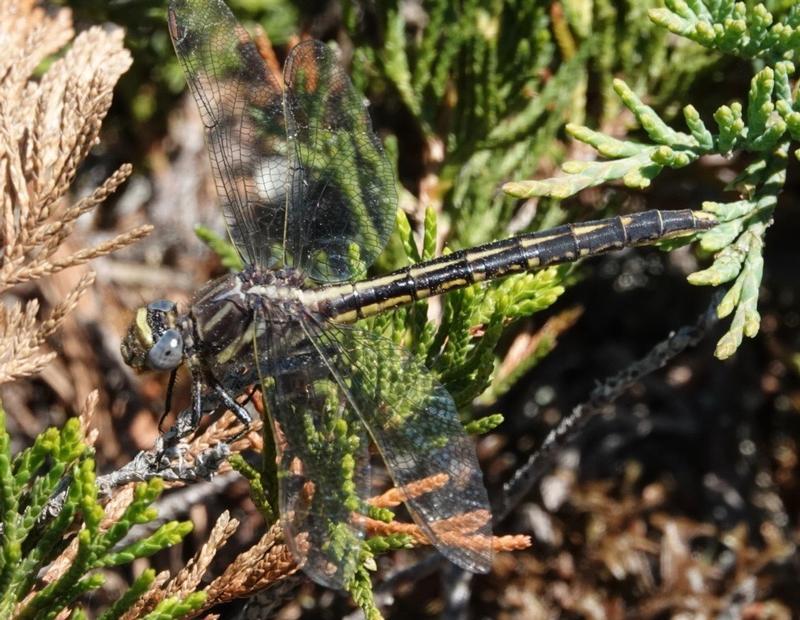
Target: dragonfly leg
{"x": 239, "y": 411}
{"x": 168, "y": 399}
{"x": 187, "y": 420}
{"x": 250, "y": 393}
{"x": 197, "y": 399}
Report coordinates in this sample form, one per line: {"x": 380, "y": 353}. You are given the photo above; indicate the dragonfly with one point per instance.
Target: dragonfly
{"x": 309, "y": 201}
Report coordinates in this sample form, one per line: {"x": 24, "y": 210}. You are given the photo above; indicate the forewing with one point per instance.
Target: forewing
{"x": 241, "y": 105}
{"x": 343, "y": 188}
{"x": 414, "y": 423}
{"x": 323, "y": 457}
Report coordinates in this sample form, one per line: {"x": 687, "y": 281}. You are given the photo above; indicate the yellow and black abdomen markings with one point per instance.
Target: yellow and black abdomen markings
{"x": 345, "y": 303}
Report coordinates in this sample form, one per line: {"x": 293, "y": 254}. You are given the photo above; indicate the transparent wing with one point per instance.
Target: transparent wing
{"x": 323, "y": 456}
{"x": 241, "y": 105}
{"x": 414, "y": 423}
{"x": 342, "y": 188}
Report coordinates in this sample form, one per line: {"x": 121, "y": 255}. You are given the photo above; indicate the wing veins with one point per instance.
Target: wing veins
{"x": 428, "y": 515}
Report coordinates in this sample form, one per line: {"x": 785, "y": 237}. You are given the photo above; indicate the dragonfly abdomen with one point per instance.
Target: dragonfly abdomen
{"x": 346, "y": 303}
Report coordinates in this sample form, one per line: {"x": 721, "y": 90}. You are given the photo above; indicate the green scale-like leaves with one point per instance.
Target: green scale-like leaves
{"x": 744, "y": 29}
{"x": 59, "y": 460}
{"x": 764, "y": 128}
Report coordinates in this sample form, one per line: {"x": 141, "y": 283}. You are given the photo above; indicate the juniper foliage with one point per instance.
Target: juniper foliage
{"x": 61, "y": 460}
{"x": 762, "y": 127}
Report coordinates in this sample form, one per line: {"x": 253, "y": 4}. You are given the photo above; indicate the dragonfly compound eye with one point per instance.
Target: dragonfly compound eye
{"x": 162, "y": 305}
{"x": 167, "y": 352}
{"x": 145, "y": 345}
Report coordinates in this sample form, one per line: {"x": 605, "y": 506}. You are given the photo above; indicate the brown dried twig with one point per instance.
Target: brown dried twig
{"x": 608, "y": 391}
{"x": 188, "y": 579}
{"x": 261, "y": 566}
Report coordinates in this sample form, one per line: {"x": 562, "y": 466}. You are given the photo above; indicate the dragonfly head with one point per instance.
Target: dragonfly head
{"x": 154, "y": 340}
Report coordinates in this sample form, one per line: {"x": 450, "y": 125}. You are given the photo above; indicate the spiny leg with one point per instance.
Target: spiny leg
{"x": 237, "y": 409}
{"x": 168, "y": 400}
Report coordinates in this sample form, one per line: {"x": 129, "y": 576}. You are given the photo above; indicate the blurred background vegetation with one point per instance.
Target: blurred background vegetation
{"x": 682, "y": 497}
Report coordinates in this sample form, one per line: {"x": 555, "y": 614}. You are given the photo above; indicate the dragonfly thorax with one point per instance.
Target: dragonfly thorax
{"x": 232, "y": 314}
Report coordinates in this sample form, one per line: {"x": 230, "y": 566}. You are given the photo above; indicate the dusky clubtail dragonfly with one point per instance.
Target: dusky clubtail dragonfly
{"x": 309, "y": 201}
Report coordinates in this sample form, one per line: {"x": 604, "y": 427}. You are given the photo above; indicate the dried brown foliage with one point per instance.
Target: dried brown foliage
{"x": 261, "y": 566}
{"x": 613, "y": 551}
{"x": 47, "y": 127}
{"x": 458, "y": 530}
{"x": 188, "y": 580}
